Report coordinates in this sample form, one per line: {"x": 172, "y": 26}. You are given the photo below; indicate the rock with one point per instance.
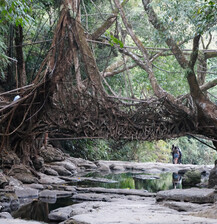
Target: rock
{"x": 141, "y": 193}
{"x": 146, "y": 177}
{"x": 35, "y": 186}
{"x": 194, "y": 195}
{"x": 45, "y": 179}
{"x": 209, "y": 212}
{"x": 67, "y": 164}
{"x": 3, "y": 180}
{"x": 183, "y": 206}
{"x": 47, "y": 194}
{"x": 60, "y": 214}
{"x": 5, "y": 215}
{"x": 127, "y": 212}
{"x": 49, "y": 171}
{"x": 23, "y": 174}
{"x": 91, "y": 197}
{"x": 26, "y": 192}
{"x": 213, "y": 177}
{"x": 116, "y": 167}
{"x": 83, "y": 164}
{"x": 102, "y": 167}
{"x": 9, "y": 202}
{"x": 54, "y": 194}
{"x": 61, "y": 170}
{"x": 14, "y": 182}
{"x": 9, "y": 158}
{"x": 18, "y": 221}
{"x": 38, "y": 162}
{"x": 191, "y": 178}
{"x": 51, "y": 154}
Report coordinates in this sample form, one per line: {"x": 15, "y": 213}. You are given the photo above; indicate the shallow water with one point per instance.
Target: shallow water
{"x": 130, "y": 181}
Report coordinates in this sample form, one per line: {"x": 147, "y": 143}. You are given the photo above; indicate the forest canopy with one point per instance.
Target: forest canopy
{"x": 149, "y": 68}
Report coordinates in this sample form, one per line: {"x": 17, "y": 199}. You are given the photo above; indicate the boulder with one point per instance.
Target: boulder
{"x": 3, "y": 180}
{"x": 49, "y": 171}
{"x": 191, "y": 178}
{"x": 83, "y": 164}
{"x": 26, "y": 192}
{"x": 38, "y": 162}
{"x": 51, "y": 154}
{"x": 60, "y": 214}
{"x": 213, "y": 177}
{"x": 5, "y": 215}
{"x": 8, "y": 202}
{"x": 194, "y": 195}
{"x": 9, "y": 158}
{"x": 62, "y": 171}
{"x": 67, "y": 164}
{"x": 102, "y": 167}
{"x": 23, "y": 174}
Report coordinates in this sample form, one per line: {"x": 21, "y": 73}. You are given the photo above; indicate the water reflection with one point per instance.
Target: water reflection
{"x": 177, "y": 180}
{"x": 39, "y": 210}
{"x": 164, "y": 181}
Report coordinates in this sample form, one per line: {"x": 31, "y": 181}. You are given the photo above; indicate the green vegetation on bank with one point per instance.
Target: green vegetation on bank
{"x": 193, "y": 151}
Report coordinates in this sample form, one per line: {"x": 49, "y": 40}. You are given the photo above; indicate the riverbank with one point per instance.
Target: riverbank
{"x": 24, "y": 191}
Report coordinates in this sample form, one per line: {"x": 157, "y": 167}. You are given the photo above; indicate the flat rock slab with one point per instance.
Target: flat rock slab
{"x": 128, "y": 212}
{"x": 47, "y": 179}
{"x": 142, "y": 193}
{"x": 18, "y": 221}
{"x": 146, "y": 177}
{"x": 91, "y": 179}
{"x": 195, "y": 195}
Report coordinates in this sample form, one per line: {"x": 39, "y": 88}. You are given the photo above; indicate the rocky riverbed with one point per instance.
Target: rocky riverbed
{"x": 26, "y": 193}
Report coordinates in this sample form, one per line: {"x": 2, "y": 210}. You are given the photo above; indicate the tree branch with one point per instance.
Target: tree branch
{"x": 169, "y": 40}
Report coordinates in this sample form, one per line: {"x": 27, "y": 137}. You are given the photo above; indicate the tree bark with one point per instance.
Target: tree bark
{"x": 22, "y": 80}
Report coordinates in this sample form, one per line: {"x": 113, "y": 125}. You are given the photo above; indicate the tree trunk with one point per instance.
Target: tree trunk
{"x": 20, "y": 58}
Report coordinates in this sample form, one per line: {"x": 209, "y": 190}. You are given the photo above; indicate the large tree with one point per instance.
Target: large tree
{"x": 74, "y": 92}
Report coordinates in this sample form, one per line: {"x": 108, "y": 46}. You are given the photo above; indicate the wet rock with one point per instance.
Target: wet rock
{"x": 23, "y": 174}
{"x": 191, "y": 178}
{"x": 194, "y": 195}
{"x": 51, "y": 154}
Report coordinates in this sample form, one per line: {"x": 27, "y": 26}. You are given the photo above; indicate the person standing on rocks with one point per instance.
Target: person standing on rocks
{"x": 175, "y": 154}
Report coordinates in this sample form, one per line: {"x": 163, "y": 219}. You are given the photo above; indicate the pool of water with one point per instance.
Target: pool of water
{"x": 157, "y": 182}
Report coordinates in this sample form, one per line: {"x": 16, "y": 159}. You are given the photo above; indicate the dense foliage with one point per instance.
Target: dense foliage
{"x": 181, "y": 18}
